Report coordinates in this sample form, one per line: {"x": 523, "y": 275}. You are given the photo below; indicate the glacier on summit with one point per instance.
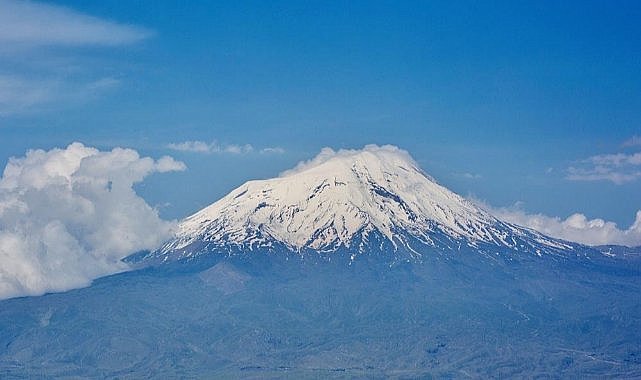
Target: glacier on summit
{"x": 373, "y": 199}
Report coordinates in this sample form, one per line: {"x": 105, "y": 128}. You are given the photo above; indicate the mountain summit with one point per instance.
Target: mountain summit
{"x": 355, "y": 264}
{"x": 374, "y": 199}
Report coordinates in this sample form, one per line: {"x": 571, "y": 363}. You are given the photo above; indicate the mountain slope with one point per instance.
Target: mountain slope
{"x": 374, "y": 199}
{"x": 274, "y": 316}
{"x": 477, "y": 301}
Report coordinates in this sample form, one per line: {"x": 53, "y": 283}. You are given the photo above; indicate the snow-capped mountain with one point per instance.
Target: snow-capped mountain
{"x": 359, "y": 201}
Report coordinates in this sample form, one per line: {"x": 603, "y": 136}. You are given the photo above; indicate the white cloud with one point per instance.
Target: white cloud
{"x": 192, "y": 146}
{"x": 600, "y": 173}
{"x": 67, "y": 216}
{"x": 19, "y": 94}
{"x": 467, "y": 175}
{"x": 576, "y": 227}
{"x": 329, "y": 153}
{"x": 237, "y": 149}
{"x": 212, "y": 147}
{"x": 272, "y": 150}
{"x": 633, "y": 141}
{"x": 616, "y": 160}
{"x": 41, "y": 60}
{"x": 101, "y": 84}
{"x": 618, "y": 168}
{"x": 31, "y": 24}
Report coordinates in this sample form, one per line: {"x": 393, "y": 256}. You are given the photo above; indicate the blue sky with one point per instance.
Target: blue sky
{"x": 532, "y": 102}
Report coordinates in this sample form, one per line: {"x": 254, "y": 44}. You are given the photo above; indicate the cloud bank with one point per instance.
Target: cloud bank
{"x": 577, "y": 227}
{"x": 67, "y": 216}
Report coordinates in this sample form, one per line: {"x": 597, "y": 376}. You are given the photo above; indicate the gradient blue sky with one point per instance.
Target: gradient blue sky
{"x": 505, "y": 101}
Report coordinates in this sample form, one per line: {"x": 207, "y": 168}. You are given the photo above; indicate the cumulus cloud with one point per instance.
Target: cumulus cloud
{"x": 68, "y": 216}
{"x": 618, "y": 168}
{"x": 576, "y": 227}
{"x": 327, "y": 154}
